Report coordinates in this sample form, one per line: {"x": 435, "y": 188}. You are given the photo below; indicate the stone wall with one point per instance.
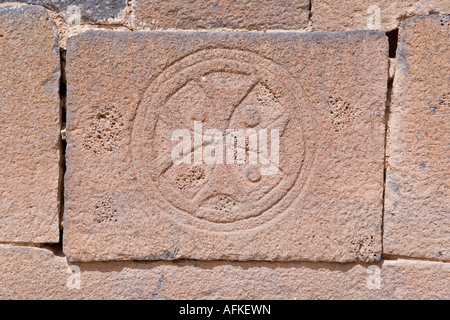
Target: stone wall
{"x": 123, "y": 174}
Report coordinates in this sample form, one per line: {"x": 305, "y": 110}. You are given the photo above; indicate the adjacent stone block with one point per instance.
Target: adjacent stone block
{"x": 32, "y": 273}
{"x": 88, "y": 10}
{"x": 417, "y": 215}
{"x": 331, "y": 15}
{"x": 125, "y": 197}
{"x": 205, "y": 14}
{"x": 29, "y": 125}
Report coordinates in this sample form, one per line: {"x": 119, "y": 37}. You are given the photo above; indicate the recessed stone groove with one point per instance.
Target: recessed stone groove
{"x": 393, "y": 39}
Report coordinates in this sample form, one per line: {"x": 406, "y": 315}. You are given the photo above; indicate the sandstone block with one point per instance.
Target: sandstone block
{"x": 32, "y": 273}
{"x": 204, "y": 14}
{"x": 29, "y": 126}
{"x": 322, "y": 95}
{"x": 417, "y": 210}
{"x": 330, "y": 15}
{"x": 86, "y": 10}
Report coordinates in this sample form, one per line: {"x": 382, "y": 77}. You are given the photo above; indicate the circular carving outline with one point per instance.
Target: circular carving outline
{"x": 229, "y": 60}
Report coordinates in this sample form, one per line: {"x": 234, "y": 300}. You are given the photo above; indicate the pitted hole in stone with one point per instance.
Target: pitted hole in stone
{"x": 445, "y": 21}
{"x": 225, "y": 205}
{"x": 365, "y": 248}
{"x": 342, "y": 113}
{"x": 444, "y": 102}
{"x": 193, "y": 178}
{"x": 105, "y": 130}
{"x": 105, "y": 211}
{"x": 220, "y": 208}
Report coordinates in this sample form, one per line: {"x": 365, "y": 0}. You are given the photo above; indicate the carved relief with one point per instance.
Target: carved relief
{"x": 224, "y": 89}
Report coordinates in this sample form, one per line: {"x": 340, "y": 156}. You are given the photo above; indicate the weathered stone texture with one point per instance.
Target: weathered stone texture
{"x": 32, "y": 273}
{"x": 332, "y": 15}
{"x": 90, "y": 10}
{"x": 205, "y": 14}
{"x": 417, "y": 216}
{"x": 127, "y": 92}
{"x": 29, "y": 125}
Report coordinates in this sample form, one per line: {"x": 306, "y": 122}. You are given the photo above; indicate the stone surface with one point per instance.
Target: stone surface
{"x": 417, "y": 211}
{"x": 89, "y": 10}
{"x": 29, "y": 126}
{"x": 126, "y": 199}
{"x": 331, "y": 15}
{"x": 205, "y": 14}
{"x": 32, "y": 273}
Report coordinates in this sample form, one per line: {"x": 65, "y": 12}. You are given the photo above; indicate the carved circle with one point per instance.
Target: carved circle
{"x": 221, "y": 198}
